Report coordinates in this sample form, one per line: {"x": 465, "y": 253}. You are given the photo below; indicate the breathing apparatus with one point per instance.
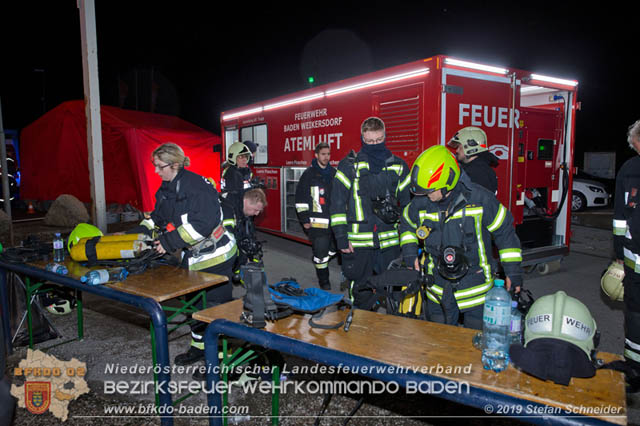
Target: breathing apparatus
{"x": 386, "y": 208}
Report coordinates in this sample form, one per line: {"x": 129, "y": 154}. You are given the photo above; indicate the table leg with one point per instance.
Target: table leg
{"x": 80, "y": 315}
{"x": 29, "y": 318}
{"x": 154, "y": 358}
{"x": 4, "y": 309}
{"x": 275, "y": 399}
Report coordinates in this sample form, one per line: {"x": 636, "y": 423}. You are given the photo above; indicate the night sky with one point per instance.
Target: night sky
{"x": 206, "y": 57}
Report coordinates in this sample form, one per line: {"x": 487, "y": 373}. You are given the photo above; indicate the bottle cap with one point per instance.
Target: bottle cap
{"x": 83, "y": 279}
{"x": 498, "y": 282}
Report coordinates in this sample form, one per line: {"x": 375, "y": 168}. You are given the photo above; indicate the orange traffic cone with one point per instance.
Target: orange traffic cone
{"x": 30, "y": 209}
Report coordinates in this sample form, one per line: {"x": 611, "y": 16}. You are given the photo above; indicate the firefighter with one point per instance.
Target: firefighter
{"x": 313, "y": 195}
{"x": 460, "y": 218}
{"x": 626, "y": 243}
{"x": 253, "y": 203}
{"x": 472, "y": 151}
{"x": 368, "y": 193}
{"x": 187, "y": 217}
{"x": 236, "y": 175}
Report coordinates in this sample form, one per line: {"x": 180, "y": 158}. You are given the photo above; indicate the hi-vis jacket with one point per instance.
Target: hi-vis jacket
{"x": 312, "y": 198}
{"x": 354, "y": 188}
{"x": 190, "y": 204}
{"x": 626, "y": 214}
{"x": 474, "y": 216}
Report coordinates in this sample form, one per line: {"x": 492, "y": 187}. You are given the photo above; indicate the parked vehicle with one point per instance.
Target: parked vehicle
{"x": 588, "y": 193}
{"x": 529, "y": 120}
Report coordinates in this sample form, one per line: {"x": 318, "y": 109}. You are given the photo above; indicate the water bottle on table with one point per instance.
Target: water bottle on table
{"x": 515, "y": 330}
{"x": 495, "y": 328}
{"x": 58, "y": 248}
{"x": 56, "y": 268}
{"x": 101, "y": 276}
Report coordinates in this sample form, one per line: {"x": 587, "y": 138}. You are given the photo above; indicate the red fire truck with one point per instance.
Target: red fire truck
{"x": 529, "y": 120}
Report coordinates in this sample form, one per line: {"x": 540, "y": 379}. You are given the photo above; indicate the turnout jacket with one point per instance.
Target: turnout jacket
{"x": 233, "y": 184}
{"x": 190, "y": 203}
{"x": 313, "y": 196}
{"x": 626, "y": 214}
{"x": 481, "y": 171}
{"x": 468, "y": 220}
{"x": 352, "y": 192}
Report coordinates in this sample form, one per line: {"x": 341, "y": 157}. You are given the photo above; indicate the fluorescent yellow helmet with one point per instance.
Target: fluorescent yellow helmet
{"x": 436, "y": 168}
{"x": 82, "y": 230}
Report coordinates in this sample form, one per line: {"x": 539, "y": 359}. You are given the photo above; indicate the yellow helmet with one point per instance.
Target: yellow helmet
{"x": 436, "y": 168}
{"x": 82, "y": 230}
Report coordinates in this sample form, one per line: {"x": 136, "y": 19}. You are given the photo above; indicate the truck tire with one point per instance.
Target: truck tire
{"x": 548, "y": 267}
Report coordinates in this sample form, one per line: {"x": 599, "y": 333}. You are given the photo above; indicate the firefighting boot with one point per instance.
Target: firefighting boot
{"x": 323, "y": 279}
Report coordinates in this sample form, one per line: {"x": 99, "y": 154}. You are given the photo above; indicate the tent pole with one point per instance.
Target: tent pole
{"x": 92, "y": 109}
{"x": 6, "y": 195}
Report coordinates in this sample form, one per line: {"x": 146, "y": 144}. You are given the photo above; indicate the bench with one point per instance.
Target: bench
{"x": 425, "y": 351}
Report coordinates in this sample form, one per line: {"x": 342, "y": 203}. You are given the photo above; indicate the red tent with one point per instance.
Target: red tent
{"x": 54, "y": 159}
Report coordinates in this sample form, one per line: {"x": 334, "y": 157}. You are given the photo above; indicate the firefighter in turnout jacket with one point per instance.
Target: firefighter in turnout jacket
{"x": 626, "y": 243}
{"x": 188, "y": 217}
{"x": 369, "y": 191}
{"x": 458, "y": 219}
{"x": 242, "y": 227}
{"x": 313, "y": 194}
{"x": 236, "y": 174}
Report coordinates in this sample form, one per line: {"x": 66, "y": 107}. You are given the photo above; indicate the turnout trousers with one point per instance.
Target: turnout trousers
{"x": 632, "y": 318}
{"x": 359, "y": 266}
{"x": 323, "y": 248}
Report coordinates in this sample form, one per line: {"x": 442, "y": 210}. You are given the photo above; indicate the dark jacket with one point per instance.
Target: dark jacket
{"x": 190, "y": 204}
{"x": 455, "y": 222}
{"x": 354, "y": 188}
{"x": 313, "y": 196}
{"x": 233, "y": 184}
{"x": 480, "y": 170}
{"x": 626, "y": 214}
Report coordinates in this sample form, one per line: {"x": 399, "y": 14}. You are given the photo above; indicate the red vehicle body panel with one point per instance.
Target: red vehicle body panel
{"x": 529, "y": 123}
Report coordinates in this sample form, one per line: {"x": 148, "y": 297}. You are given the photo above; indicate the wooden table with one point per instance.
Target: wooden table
{"x": 430, "y": 351}
{"x": 145, "y": 291}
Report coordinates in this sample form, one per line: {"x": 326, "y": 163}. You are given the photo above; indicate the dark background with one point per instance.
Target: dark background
{"x": 205, "y": 57}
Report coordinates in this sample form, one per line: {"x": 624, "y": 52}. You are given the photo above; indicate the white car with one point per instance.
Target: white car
{"x": 588, "y": 193}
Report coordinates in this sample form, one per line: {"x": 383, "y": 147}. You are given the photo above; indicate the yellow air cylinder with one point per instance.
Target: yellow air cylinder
{"x": 109, "y": 250}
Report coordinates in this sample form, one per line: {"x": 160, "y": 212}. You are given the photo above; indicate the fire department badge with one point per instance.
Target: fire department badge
{"x": 37, "y": 396}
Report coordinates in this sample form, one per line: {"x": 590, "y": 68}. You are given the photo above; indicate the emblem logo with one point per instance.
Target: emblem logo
{"x": 37, "y": 396}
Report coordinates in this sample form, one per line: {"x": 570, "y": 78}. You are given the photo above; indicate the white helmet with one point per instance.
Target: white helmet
{"x": 611, "y": 282}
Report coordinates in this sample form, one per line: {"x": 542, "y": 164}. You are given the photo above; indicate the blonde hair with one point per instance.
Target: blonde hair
{"x": 634, "y": 133}
{"x": 171, "y": 153}
{"x": 256, "y": 195}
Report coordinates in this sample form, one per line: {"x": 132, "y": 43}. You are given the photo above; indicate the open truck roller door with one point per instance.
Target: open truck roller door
{"x": 529, "y": 120}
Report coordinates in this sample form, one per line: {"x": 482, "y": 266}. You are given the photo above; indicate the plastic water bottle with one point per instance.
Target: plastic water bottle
{"x": 58, "y": 248}
{"x": 101, "y": 276}
{"x": 515, "y": 331}
{"x": 495, "y": 329}
{"x": 57, "y": 268}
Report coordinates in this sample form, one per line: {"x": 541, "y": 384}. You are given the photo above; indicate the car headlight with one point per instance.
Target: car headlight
{"x": 596, "y": 189}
